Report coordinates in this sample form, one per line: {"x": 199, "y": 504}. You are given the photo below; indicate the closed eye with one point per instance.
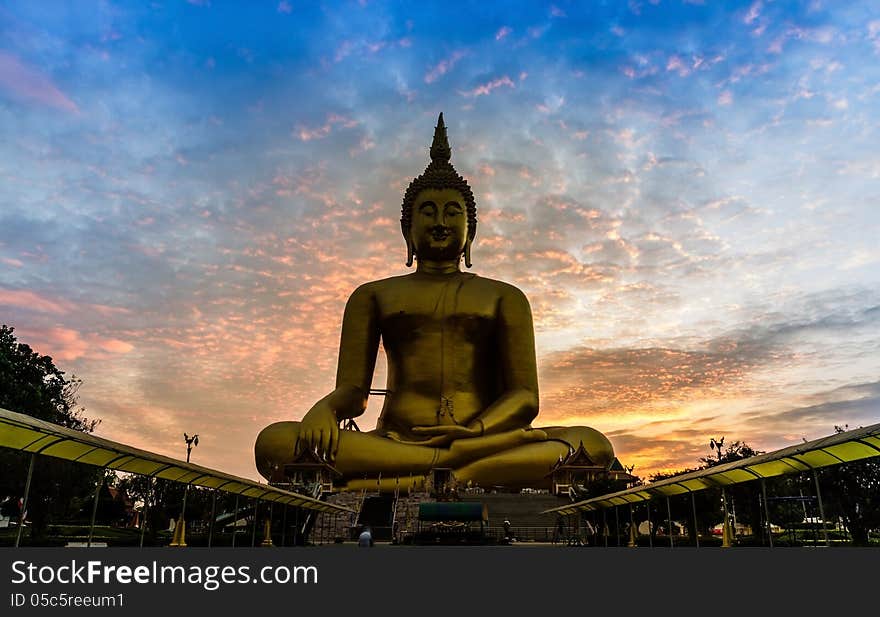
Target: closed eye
{"x": 452, "y": 208}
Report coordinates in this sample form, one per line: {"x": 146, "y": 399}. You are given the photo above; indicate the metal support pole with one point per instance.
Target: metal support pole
{"x": 726, "y": 539}
{"x": 821, "y": 507}
{"x": 179, "y": 537}
{"x": 696, "y": 525}
{"x": 669, "y": 513}
{"x": 24, "y": 501}
{"x": 650, "y": 531}
{"x": 284, "y": 525}
{"x": 617, "y": 524}
{"x": 605, "y": 525}
{"x": 271, "y": 518}
{"x": 95, "y": 508}
{"x": 633, "y": 532}
{"x": 296, "y": 532}
{"x": 235, "y": 521}
{"x": 254, "y": 525}
{"x": 213, "y": 511}
{"x": 144, "y": 523}
{"x": 767, "y": 512}
{"x": 183, "y": 508}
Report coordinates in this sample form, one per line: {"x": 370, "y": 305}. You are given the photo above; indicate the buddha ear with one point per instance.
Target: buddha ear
{"x": 467, "y": 251}
{"x": 410, "y": 251}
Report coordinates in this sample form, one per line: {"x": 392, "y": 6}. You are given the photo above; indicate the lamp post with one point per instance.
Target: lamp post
{"x": 717, "y": 444}
{"x": 179, "y": 538}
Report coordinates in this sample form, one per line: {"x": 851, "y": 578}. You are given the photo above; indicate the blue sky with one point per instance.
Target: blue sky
{"x": 686, "y": 192}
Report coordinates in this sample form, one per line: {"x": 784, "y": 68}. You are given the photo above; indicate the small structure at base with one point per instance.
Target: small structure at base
{"x": 578, "y": 470}
{"x": 449, "y": 522}
{"x": 308, "y": 470}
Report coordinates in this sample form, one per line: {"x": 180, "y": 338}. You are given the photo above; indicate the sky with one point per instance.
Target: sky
{"x": 687, "y": 193}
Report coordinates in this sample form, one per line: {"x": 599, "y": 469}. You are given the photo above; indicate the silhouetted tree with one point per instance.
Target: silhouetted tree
{"x": 708, "y": 503}
{"x": 735, "y": 451}
{"x": 31, "y": 384}
{"x": 852, "y": 491}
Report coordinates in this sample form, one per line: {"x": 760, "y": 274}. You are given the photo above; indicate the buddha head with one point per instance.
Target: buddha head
{"x": 439, "y": 215}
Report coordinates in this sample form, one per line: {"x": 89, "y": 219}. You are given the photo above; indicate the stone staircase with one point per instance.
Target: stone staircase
{"x": 522, "y": 510}
{"x": 524, "y": 513}
{"x": 328, "y": 526}
{"x": 405, "y": 515}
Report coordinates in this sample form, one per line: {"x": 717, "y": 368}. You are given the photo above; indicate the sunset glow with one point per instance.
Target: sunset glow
{"x": 687, "y": 192}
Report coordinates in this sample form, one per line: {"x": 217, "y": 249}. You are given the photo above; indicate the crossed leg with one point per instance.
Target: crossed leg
{"x": 521, "y": 457}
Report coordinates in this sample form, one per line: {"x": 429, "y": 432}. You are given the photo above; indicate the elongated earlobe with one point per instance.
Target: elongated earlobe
{"x": 409, "y": 253}
{"x": 467, "y": 253}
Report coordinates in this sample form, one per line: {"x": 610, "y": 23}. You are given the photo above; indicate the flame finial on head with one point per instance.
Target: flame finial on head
{"x": 440, "y": 150}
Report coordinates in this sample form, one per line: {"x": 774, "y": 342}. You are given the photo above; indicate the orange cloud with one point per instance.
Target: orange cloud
{"x": 68, "y": 344}
{"x": 34, "y": 301}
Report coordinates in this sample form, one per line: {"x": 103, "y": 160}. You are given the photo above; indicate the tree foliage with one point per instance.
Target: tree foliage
{"x": 852, "y": 492}
{"x": 742, "y": 502}
{"x": 31, "y": 384}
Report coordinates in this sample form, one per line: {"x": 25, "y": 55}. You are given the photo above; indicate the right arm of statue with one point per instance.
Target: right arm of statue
{"x": 357, "y": 359}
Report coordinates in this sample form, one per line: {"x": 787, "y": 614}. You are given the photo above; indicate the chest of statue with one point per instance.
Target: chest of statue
{"x": 461, "y": 309}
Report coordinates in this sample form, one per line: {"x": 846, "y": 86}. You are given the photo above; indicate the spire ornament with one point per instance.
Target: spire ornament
{"x": 440, "y": 150}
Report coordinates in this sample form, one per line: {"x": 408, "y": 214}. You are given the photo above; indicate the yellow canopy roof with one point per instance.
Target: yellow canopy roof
{"x": 839, "y": 448}
{"x": 28, "y": 434}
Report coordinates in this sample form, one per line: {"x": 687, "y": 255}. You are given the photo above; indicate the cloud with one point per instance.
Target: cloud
{"x": 489, "y": 86}
{"x": 333, "y": 120}
{"x": 502, "y": 33}
{"x": 29, "y": 300}
{"x": 28, "y": 84}
{"x": 856, "y": 405}
{"x": 753, "y": 13}
{"x": 874, "y": 34}
{"x": 443, "y": 67}
{"x": 823, "y": 35}
{"x": 68, "y": 344}
{"x": 675, "y": 63}
{"x": 586, "y": 381}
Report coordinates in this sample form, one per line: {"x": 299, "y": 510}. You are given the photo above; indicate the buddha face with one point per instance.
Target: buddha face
{"x": 439, "y": 224}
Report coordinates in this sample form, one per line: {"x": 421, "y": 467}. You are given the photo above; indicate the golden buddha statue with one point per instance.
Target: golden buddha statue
{"x": 462, "y": 386}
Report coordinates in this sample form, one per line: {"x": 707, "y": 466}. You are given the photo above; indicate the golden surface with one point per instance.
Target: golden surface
{"x": 462, "y": 380}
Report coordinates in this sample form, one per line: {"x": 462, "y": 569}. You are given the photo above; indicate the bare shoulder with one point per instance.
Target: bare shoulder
{"x": 509, "y": 294}
{"x": 377, "y": 288}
